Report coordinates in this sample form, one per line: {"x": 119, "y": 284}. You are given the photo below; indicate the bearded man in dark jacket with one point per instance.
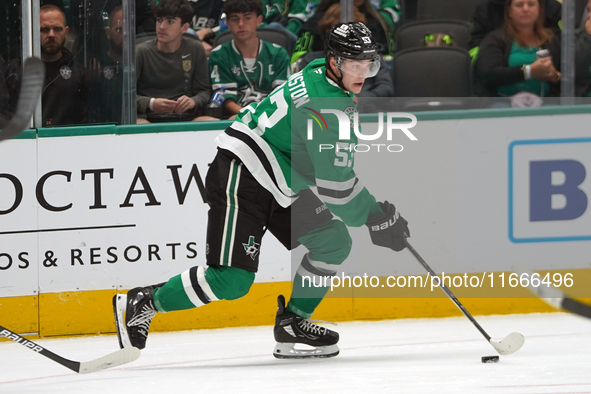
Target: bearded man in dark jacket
{"x": 65, "y": 95}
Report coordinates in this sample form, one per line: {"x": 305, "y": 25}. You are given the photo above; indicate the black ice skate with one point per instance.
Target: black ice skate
{"x": 134, "y": 312}
{"x": 291, "y": 329}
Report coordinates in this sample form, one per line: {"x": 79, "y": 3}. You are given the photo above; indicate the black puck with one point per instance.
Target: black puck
{"x": 490, "y": 359}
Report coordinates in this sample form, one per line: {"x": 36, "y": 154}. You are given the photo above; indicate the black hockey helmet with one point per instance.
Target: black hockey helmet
{"x": 348, "y": 42}
{"x": 351, "y": 40}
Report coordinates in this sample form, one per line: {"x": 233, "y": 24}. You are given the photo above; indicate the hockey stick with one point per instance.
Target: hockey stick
{"x": 30, "y": 91}
{"x": 510, "y": 344}
{"x": 556, "y": 298}
{"x": 114, "y": 359}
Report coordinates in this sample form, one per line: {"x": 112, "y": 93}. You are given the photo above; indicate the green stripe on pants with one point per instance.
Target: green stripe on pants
{"x": 231, "y": 213}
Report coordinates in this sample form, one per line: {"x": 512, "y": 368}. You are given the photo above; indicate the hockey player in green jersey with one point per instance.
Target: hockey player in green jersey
{"x": 246, "y": 67}
{"x": 260, "y": 180}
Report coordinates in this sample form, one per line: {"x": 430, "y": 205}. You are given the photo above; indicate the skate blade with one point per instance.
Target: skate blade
{"x": 119, "y": 309}
{"x": 288, "y": 350}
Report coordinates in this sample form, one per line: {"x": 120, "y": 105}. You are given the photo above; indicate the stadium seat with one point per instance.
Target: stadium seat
{"x": 265, "y": 34}
{"x": 433, "y": 72}
{"x": 409, "y": 10}
{"x": 441, "y": 9}
{"x": 412, "y": 34}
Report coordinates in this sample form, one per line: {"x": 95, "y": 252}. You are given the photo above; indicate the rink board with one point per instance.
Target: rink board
{"x": 89, "y": 211}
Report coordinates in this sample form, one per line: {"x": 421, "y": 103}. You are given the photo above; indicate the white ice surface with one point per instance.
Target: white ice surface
{"x": 396, "y": 356}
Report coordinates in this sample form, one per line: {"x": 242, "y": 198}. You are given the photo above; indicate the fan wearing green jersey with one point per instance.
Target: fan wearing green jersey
{"x": 246, "y": 67}
{"x": 289, "y": 13}
{"x": 260, "y": 181}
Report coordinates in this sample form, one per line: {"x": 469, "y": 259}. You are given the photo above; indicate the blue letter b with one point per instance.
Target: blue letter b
{"x": 541, "y": 190}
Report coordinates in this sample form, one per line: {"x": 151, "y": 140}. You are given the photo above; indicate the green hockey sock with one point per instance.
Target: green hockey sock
{"x": 305, "y": 297}
{"x": 198, "y": 286}
{"x": 172, "y": 296}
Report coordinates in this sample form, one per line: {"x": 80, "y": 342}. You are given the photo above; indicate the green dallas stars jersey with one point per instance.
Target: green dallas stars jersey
{"x": 295, "y": 11}
{"x": 279, "y": 140}
{"x": 245, "y": 84}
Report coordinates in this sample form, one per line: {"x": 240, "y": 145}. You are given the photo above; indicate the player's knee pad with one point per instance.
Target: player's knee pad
{"x": 329, "y": 243}
{"x": 229, "y": 283}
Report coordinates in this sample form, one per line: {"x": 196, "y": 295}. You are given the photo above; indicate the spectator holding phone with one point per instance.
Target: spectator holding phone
{"x": 520, "y": 58}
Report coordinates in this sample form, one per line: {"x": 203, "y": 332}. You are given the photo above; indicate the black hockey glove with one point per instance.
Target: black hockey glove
{"x": 388, "y": 229}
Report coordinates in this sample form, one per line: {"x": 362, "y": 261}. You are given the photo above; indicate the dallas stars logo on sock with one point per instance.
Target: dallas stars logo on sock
{"x": 251, "y": 247}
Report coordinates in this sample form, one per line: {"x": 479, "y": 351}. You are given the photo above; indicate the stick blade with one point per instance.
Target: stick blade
{"x": 510, "y": 344}
{"x": 120, "y": 357}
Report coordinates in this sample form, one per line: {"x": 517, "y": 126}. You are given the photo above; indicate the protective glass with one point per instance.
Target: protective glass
{"x": 359, "y": 68}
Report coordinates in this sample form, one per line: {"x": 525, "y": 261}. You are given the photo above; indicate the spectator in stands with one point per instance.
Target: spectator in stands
{"x": 382, "y": 23}
{"x": 144, "y": 16}
{"x": 65, "y": 96}
{"x": 583, "y": 57}
{"x": 508, "y": 62}
{"x": 206, "y": 17}
{"x": 288, "y": 15}
{"x": 4, "y": 97}
{"x": 172, "y": 74}
{"x": 107, "y": 88}
{"x": 489, "y": 15}
{"x": 378, "y": 86}
{"x": 145, "y": 20}
{"x": 247, "y": 67}
{"x": 115, "y": 35}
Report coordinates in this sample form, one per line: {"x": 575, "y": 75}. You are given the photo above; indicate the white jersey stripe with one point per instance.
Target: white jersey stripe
{"x": 204, "y": 285}
{"x": 282, "y": 194}
{"x": 393, "y": 14}
{"x": 235, "y": 217}
{"x": 217, "y": 86}
{"x": 188, "y": 287}
{"x": 277, "y": 82}
{"x": 321, "y": 264}
{"x": 256, "y": 136}
{"x": 230, "y": 220}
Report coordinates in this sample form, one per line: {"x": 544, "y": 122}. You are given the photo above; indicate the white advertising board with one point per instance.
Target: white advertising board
{"x": 116, "y": 211}
{"x": 523, "y": 192}
{"x": 19, "y": 271}
{"x": 483, "y": 195}
{"x": 108, "y": 211}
